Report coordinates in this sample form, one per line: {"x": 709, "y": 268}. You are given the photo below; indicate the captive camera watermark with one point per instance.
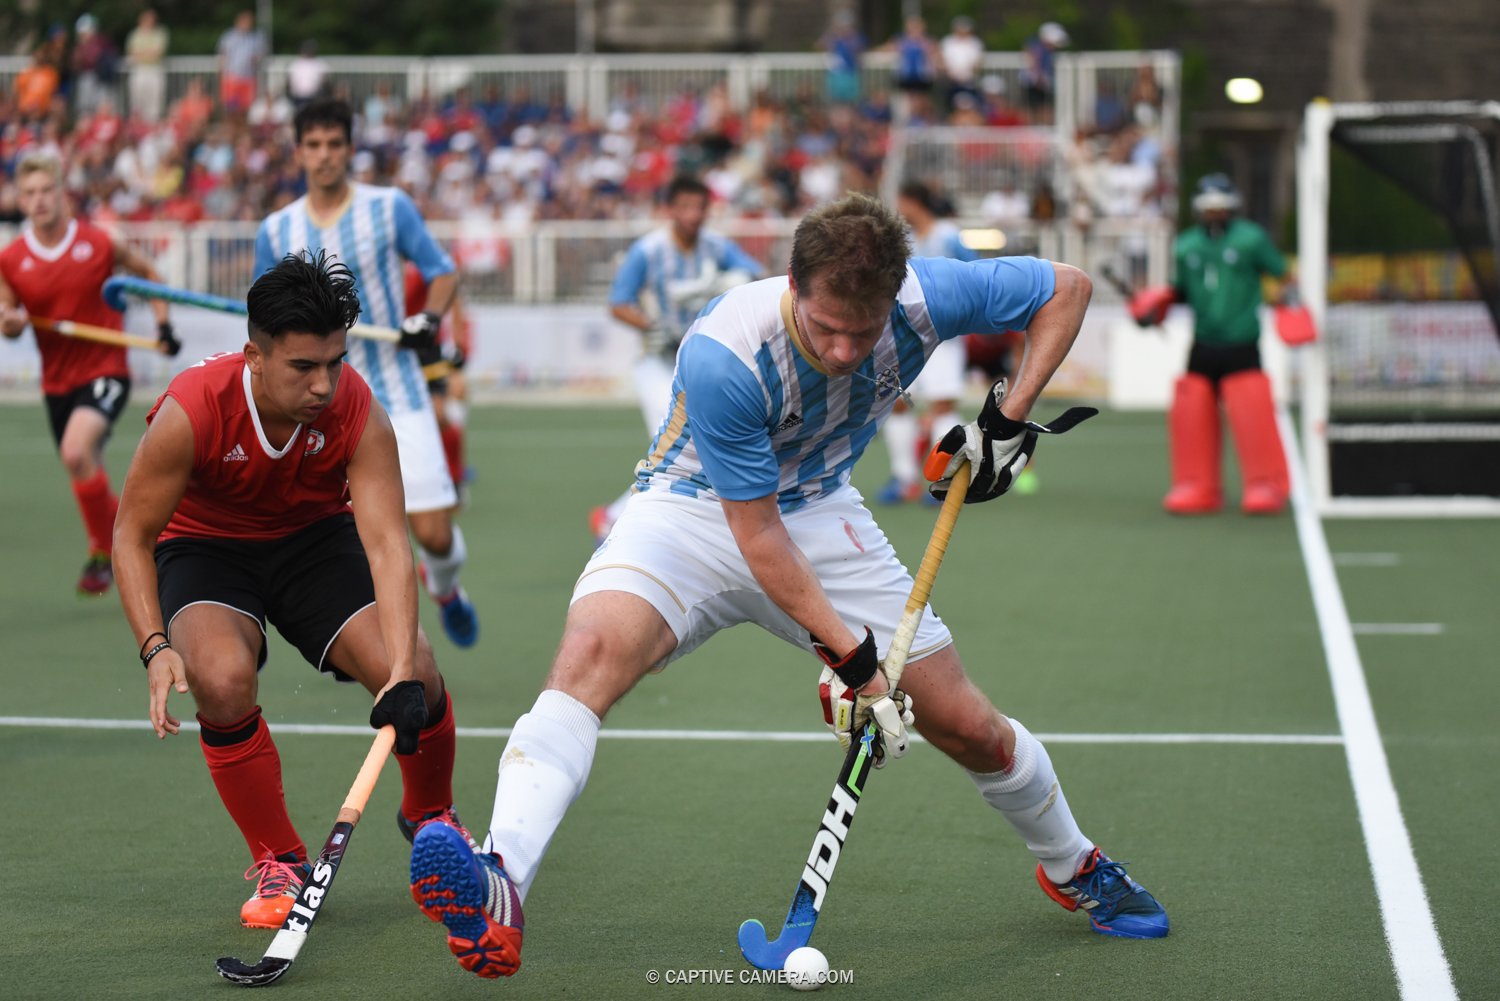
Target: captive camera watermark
{"x": 743, "y": 977}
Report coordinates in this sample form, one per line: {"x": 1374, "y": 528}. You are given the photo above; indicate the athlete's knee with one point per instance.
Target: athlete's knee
{"x": 223, "y": 696}
{"x": 592, "y": 657}
{"x": 433, "y": 530}
{"x": 977, "y": 737}
{"x": 78, "y": 460}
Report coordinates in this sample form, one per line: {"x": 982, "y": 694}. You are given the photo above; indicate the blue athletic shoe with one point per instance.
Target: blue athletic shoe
{"x": 1115, "y": 903}
{"x": 469, "y": 892}
{"x": 460, "y": 621}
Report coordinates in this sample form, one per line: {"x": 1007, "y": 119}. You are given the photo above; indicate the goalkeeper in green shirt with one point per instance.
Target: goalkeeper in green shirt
{"x": 1219, "y": 267}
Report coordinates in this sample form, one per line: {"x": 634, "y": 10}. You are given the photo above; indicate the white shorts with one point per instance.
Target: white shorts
{"x": 653, "y": 387}
{"x": 424, "y": 465}
{"x": 942, "y": 378}
{"x": 677, "y": 552}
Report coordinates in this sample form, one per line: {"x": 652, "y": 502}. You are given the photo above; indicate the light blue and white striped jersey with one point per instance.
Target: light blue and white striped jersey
{"x": 942, "y": 240}
{"x": 752, "y": 412}
{"x": 655, "y": 260}
{"x": 380, "y": 228}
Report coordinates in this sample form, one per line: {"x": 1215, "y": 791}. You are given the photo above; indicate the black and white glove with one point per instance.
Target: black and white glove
{"x": 996, "y": 447}
{"x": 403, "y": 706}
{"x": 166, "y": 340}
{"x": 846, "y": 711}
{"x": 420, "y": 330}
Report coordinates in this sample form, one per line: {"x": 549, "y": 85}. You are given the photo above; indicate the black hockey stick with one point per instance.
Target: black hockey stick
{"x": 817, "y": 874}
{"x": 288, "y": 941}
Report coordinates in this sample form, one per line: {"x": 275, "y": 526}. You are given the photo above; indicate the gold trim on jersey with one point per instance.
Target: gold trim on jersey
{"x": 670, "y": 433}
{"x": 789, "y": 320}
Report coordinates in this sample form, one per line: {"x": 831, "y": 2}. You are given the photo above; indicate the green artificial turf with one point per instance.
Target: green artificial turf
{"x": 1080, "y": 609}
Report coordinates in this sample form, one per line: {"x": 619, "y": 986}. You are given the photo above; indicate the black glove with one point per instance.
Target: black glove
{"x": 167, "y": 340}
{"x": 857, "y": 667}
{"x": 404, "y": 706}
{"x": 420, "y": 331}
{"x": 997, "y": 447}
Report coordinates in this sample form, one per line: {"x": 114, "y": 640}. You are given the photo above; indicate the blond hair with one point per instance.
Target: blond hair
{"x": 36, "y": 163}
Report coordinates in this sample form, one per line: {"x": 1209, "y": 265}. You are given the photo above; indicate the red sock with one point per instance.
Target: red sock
{"x": 453, "y": 449}
{"x": 98, "y": 504}
{"x": 246, "y": 769}
{"x": 427, "y": 776}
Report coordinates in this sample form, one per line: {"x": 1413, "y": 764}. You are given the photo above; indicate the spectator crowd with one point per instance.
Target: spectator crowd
{"x": 223, "y": 147}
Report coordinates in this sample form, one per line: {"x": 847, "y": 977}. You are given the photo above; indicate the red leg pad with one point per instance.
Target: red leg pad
{"x": 247, "y": 772}
{"x": 1193, "y": 428}
{"x": 427, "y": 776}
{"x": 98, "y": 505}
{"x": 1252, "y": 420}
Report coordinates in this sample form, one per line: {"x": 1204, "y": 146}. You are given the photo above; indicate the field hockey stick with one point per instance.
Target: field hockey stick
{"x": 116, "y": 288}
{"x": 288, "y": 941}
{"x": 817, "y": 874}
{"x": 100, "y": 335}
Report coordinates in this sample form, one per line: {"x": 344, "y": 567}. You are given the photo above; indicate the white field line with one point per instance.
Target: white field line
{"x": 1397, "y": 628}
{"x": 1366, "y": 559}
{"x": 1422, "y": 971}
{"x": 793, "y": 736}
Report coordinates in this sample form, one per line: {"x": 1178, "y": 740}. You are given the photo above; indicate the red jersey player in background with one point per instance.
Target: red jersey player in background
{"x": 54, "y": 269}
{"x": 442, "y": 364}
{"x": 236, "y": 512}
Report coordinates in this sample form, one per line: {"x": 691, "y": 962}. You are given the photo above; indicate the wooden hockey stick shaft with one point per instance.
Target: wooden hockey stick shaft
{"x": 369, "y": 772}
{"x": 921, "y": 588}
{"x": 90, "y": 332}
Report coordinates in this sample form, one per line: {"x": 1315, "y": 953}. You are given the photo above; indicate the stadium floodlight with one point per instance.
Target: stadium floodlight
{"x": 1401, "y": 394}
{"x": 1244, "y": 90}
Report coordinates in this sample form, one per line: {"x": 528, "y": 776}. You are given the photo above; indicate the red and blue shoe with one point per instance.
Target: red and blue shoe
{"x": 447, "y": 815}
{"x": 469, "y": 892}
{"x": 1115, "y": 903}
{"x": 456, "y": 611}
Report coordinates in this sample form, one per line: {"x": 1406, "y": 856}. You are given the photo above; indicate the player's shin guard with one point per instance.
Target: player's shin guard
{"x": 543, "y": 770}
{"x": 453, "y": 451}
{"x": 427, "y": 775}
{"x": 97, "y": 504}
{"x": 1028, "y": 795}
{"x": 442, "y": 571}
{"x": 246, "y": 770}
{"x": 1194, "y": 434}
{"x": 1252, "y": 420}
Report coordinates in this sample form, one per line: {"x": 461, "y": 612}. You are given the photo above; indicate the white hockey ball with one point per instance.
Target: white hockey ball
{"x": 806, "y": 969}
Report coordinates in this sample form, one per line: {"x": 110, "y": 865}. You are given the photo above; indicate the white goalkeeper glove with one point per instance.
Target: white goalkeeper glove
{"x": 846, "y": 711}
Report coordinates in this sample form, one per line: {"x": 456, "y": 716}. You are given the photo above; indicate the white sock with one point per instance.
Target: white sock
{"x": 442, "y": 571}
{"x": 1031, "y": 798}
{"x": 941, "y": 423}
{"x": 901, "y": 441}
{"x": 617, "y": 508}
{"x": 543, "y": 770}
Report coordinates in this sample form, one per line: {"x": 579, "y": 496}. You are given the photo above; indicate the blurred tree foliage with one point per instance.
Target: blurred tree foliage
{"x": 348, "y": 27}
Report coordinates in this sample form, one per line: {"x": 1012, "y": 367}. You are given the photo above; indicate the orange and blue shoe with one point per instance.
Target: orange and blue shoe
{"x": 1115, "y": 903}
{"x": 278, "y": 881}
{"x": 469, "y": 892}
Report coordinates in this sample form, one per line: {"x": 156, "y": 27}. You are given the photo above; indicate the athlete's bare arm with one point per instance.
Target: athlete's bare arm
{"x": 154, "y": 485}
{"x": 787, "y": 577}
{"x": 441, "y": 291}
{"x": 629, "y": 312}
{"x": 380, "y": 515}
{"x": 138, "y": 265}
{"x": 13, "y": 318}
{"x": 1048, "y": 339}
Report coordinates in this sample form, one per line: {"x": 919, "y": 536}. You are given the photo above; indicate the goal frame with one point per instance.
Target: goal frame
{"x": 1312, "y": 264}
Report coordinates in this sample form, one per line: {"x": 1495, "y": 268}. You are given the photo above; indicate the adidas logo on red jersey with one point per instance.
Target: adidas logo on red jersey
{"x": 236, "y": 454}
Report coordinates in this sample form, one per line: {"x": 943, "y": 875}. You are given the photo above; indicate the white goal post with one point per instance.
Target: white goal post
{"x": 1321, "y": 377}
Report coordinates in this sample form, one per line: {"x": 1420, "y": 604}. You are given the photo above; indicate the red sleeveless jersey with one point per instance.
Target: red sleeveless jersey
{"x": 62, "y": 283}
{"x": 241, "y": 486}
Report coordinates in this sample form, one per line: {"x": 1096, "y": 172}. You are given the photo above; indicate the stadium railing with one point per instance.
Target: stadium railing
{"x": 593, "y": 84}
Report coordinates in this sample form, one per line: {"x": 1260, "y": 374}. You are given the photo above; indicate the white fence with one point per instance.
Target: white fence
{"x": 593, "y": 84}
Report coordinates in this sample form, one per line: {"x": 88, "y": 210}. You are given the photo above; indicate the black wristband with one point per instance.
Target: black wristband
{"x": 163, "y": 645}
{"x": 857, "y": 667}
{"x": 142, "y": 651}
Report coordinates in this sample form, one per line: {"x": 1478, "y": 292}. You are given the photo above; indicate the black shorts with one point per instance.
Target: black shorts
{"x": 106, "y": 394}
{"x": 1218, "y": 360}
{"x": 308, "y": 584}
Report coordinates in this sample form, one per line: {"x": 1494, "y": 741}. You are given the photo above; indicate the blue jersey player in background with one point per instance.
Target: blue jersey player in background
{"x": 744, "y": 513}
{"x": 667, "y": 277}
{"x": 371, "y": 230}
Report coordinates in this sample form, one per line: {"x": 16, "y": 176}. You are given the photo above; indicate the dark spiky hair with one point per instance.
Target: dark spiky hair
{"x": 303, "y": 294}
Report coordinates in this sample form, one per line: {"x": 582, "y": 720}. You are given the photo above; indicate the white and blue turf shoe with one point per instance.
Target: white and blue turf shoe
{"x": 1115, "y": 903}
{"x": 469, "y": 892}
{"x": 460, "y": 621}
